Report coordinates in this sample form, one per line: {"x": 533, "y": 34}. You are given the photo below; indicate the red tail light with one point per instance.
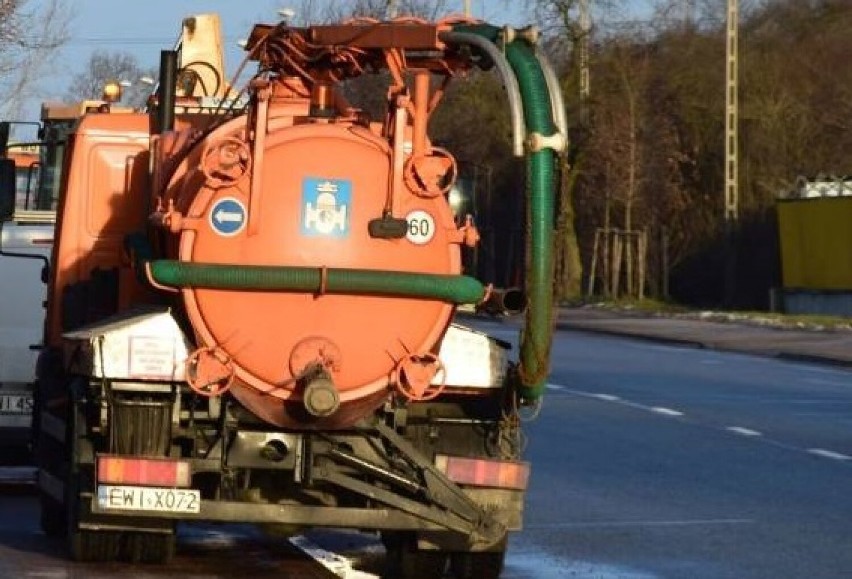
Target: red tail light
{"x": 483, "y": 472}
{"x": 155, "y": 472}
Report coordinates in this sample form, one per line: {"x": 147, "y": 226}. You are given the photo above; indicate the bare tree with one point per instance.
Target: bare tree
{"x": 105, "y": 66}
{"x": 318, "y": 11}
{"x": 29, "y": 37}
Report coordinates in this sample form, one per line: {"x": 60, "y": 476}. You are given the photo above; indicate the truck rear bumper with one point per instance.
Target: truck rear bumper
{"x": 379, "y": 519}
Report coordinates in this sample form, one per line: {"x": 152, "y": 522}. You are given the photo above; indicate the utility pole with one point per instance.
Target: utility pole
{"x": 731, "y": 139}
{"x": 467, "y": 8}
{"x": 585, "y": 31}
{"x": 391, "y": 9}
{"x": 688, "y": 10}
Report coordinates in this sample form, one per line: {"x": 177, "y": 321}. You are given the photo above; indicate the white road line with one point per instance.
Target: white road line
{"x": 740, "y": 430}
{"x": 666, "y": 411}
{"x": 607, "y": 397}
{"x": 829, "y": 454}
{"x": 743, "y": 431}
{"x": 618, "y": 400}
{"x": 337, "y": 564}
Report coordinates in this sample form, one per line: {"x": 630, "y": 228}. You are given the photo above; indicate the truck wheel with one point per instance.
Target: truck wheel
{"x": 485, "y": 565}
{"x": 86, "y": 544}
{"x": 152, "y": 548}
{"x": 406, "y": 561}
{"x": 52, "y": 518}
{"x": 49, "y": 457}
{"x": 94, "y": 546}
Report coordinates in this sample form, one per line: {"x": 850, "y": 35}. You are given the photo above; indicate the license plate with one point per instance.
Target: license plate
{"x": 114, "y": 497}
{"x": 16, "y": 404}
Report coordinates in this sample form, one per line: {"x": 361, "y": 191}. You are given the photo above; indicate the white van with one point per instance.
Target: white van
{"x": 29, "y": 185}
{"x": 24, "y": 253}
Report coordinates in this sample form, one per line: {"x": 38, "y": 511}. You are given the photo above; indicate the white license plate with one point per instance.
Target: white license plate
{"x": 16, "y": 404}
{"x": 114, "y": 497}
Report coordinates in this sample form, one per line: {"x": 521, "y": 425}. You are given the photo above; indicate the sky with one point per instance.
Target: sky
{"x": 144, "y": 28}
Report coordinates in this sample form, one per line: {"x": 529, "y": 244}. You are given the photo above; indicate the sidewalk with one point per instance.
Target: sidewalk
{"x": 826, "y": 347}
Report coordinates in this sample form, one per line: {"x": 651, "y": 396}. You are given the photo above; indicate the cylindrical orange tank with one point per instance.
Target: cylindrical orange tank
{"x": 305, "y": 199}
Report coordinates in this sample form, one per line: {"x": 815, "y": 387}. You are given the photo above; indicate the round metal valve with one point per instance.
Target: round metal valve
{"x": 415, "y": 376}
{"x": 225, "y": 162}
{"x": 209, "y": 372}
{"x": 431, "y": 175}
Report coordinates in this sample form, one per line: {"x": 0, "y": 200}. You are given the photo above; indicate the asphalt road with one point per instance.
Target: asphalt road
{"x": 657, "y": 461}
{"x": 649, "y": 461}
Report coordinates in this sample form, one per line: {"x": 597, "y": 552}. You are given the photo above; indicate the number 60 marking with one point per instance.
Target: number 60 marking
{"x": 421, "y": 227}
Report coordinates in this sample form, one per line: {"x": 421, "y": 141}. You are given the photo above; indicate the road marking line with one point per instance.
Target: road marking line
{"x": 829, "y": 454}
{"x": 610, "y": 398}
{"x": 734, "y": 429}
{"x": 743, "y": 431}
{"x": 607, "y": 397}
{"x": 666, "y": 411}
{"x": 337, "y": 564}
{"x": 607, "y": 524}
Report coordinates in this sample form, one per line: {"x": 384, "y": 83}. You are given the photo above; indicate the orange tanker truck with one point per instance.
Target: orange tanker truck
{"x": 250, "y": 309}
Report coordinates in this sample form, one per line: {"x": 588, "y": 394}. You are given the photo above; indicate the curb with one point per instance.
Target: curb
{"x": 705, "y": 345}
{"x": 813, "y": 359}
{"x": 683, "y": 342}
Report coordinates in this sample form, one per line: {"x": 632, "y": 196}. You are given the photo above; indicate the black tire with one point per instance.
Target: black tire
{"x": 94, "y": 546}
{"x": 52, "y": 518}
{"x": 485, "y": 565}
{"x": 86, "y": 545}
{"x": 50, "y": 458}
{"x": 406, "y": 561}
{"x": 150, "y": 548}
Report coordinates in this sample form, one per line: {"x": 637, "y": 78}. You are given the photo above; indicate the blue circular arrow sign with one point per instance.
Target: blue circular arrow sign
{"x": 227, "y": 216}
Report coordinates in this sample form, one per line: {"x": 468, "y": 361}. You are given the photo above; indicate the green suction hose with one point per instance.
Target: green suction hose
{"x": 457, "y": 289}
{"x": 541, "y": 167}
